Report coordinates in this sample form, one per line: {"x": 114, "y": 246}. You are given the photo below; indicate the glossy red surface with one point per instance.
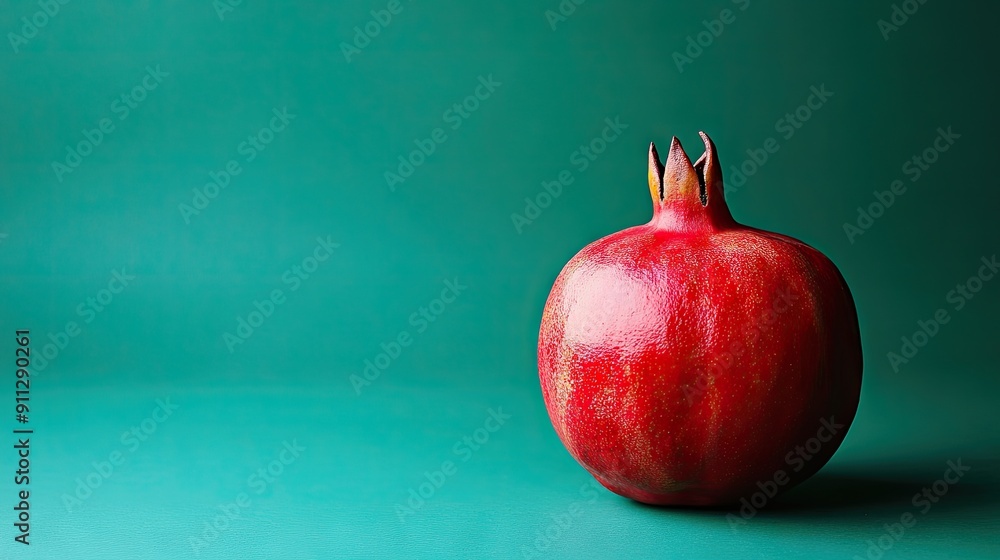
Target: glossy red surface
{"x": 687, "y": 360}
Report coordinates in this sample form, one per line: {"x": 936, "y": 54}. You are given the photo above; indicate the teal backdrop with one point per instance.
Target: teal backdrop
{"x": 283, "y": 266}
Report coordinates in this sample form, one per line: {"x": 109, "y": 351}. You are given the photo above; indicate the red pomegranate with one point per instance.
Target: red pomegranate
{"x": 694, "y": 360}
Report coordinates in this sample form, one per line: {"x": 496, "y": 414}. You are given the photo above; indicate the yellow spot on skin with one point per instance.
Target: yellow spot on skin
{"x": 563, "y": 383}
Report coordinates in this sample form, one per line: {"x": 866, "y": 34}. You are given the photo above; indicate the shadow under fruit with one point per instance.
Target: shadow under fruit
{"x": 684, "y": 361}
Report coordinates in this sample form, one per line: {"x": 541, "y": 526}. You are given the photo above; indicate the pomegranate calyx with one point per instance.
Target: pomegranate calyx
{"x": 686, "y": 196}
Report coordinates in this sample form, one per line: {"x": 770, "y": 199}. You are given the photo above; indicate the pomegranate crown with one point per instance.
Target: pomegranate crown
{"x": 688, "y": 196}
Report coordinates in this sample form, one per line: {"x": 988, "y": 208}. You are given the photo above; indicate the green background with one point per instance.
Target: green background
{"x": 63, "y": 236}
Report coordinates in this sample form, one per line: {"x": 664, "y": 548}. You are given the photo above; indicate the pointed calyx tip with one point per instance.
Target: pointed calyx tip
{"x": 679, "y": 176}
{"x": 655, "y": 175}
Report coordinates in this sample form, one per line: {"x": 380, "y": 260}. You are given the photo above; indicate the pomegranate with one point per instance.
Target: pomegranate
{"x": 694, "y": 360}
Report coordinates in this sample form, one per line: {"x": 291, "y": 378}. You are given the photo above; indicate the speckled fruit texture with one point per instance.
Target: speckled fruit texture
{"x": 694, "y": 360}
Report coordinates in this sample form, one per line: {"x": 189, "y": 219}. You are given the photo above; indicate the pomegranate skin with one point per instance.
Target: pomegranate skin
{"x": 693, "y": 360}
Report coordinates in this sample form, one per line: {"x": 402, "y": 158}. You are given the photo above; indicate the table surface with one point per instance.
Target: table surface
{"x": 339, "y": 468}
